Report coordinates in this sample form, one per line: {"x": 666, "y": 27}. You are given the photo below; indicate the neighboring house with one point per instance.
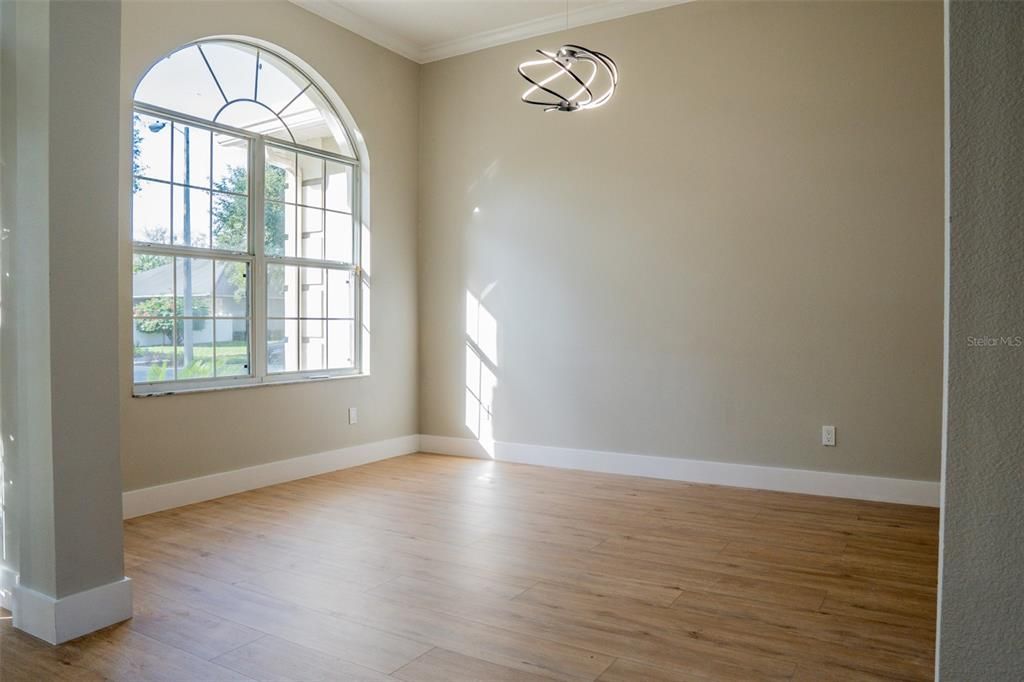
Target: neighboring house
{"x": 159, "y": 282}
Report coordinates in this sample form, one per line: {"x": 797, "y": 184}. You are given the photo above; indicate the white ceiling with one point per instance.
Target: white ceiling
{"x": 428, "y": 30}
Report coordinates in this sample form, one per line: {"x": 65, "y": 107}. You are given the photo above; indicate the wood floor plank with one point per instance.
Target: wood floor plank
{"x": 25, "y": 658}
{"x": 186, "y": 628}
{"x": 441, "y": 665}
{"x": 357, "y": 643}
{"x": 768, "y": 592}
{"x": 426, "y": 567}
{"x": 272, "y": 659}
{"x": 521, "y": 650}
{"x": 625, "y": 670}
{"x": 117, "y": 653}
{"x": 623, "y": 587}
{"x": 611, "y": 629}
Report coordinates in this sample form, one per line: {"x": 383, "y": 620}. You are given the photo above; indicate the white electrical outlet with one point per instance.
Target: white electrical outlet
{"x": 353, "y": 415}
{"x": 828, "y": 436}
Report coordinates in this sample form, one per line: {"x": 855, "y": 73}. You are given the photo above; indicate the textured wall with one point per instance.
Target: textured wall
{"x": 982, "y": 605}
{"x": 745, "y": 244}
{"x": 171, "y": 438}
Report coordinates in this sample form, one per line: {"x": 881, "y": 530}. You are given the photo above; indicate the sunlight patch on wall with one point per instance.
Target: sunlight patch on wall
{"x": 481, "y": 371}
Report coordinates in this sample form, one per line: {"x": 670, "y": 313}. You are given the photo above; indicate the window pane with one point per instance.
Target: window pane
{"x": 311, "y": 180}
{"x": 339, "y": 187}
{"x": 232, "y": 287}
{"x": 313, "y": 292}
{"x": 279, "y": 184}
{"x": 338, "y": 138}
{"x": 151, "y": 149}
{"x": 191, "y": 217}
{"x": 312, "y": 231}
{"x": 282, "y": 288}
{"x": 338, "y": 237}
{"x": 340, "y": 344}
{"x": 314, "y": 345}
{"x": 340, "y": 293}
{"x": 194, "y": 348}
{"x": 191, "y": 154}
{"x": 255, "y": 117}
{"x": 153, "y": 350}
{"x": 194, "y": 284}
{"x": 181, "y": 82}
{"x": 232, "y": 343}
{"x": 230, "y": 163}
{"x": 152, "y": 285}
{"x": 151, "y": 212}
{"x": 278, "y": 84}
{"x": 279, "y": 229}
{"x": 315, "y": 123}
{"x": 282, "y": 345}
{"x": 230, "y": 222}
{"x": 234, "y": 65}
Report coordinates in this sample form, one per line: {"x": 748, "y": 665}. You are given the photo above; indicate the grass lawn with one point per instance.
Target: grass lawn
{"x": 232, "y": 360}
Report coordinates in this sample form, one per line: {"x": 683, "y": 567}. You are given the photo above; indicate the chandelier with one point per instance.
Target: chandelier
{"x": 573, "y": 78}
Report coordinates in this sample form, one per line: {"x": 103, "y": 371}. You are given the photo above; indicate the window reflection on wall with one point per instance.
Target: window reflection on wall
{"x": 481, "y": 371}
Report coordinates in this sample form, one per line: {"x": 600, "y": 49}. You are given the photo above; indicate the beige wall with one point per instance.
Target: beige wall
{"x": 171, "y": 438}
{"x": 745, "y": 244}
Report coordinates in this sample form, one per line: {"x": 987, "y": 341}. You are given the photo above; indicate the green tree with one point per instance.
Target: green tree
{"x": 137, "y": 168}
{"x": 231, "y": 210}
{"x": 231, "y": 216}
{"x": 147, "y": 261}
{"x": 158, "y": 312}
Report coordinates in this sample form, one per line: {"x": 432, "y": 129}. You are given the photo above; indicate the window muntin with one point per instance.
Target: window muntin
{"x": 239, "y": 282}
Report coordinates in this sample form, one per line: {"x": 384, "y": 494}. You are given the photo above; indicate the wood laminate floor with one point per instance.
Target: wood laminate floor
{"x": 440, "y": 568}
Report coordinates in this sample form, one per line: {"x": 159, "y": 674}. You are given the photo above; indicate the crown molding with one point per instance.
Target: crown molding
{"x": 334, "y": 12}
{"x": 584, "y": 16}
{"x": 613, "y": 9}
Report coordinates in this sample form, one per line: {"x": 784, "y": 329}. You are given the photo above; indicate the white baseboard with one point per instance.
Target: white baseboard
{"x": 192, "y": 490}
{"x": 61, "y": 620}
{"x": 874, "y": 488}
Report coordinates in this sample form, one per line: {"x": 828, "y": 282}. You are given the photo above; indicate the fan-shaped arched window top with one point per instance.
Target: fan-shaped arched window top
{"x": 244, "y": 86}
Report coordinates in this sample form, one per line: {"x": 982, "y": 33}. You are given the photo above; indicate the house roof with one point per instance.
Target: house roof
{"x": 159, "y": 281}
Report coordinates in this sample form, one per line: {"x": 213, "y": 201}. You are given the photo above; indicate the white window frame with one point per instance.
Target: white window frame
{"x": 258, "y": 262}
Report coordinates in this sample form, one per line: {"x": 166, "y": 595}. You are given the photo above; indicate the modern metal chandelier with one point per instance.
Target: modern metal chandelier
{"x": 572, "y": 78}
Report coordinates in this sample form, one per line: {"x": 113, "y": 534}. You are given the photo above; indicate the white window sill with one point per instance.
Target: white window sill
{"x": 156, "y": 392}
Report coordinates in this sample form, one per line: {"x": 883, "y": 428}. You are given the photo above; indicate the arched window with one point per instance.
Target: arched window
{"x": 245, "y": 224}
